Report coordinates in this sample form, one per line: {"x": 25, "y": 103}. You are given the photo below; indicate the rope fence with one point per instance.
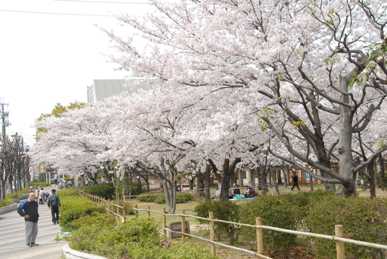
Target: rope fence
{"x": 120, "y": 213}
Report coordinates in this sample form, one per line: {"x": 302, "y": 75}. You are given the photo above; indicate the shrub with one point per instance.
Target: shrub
{"x": 74, "y": 207}
{"x": 275, "y": 211}
{"x": 117, "y": 241}
{"x": 95, "y": 218}
{"x": 36, "y": 184}
{"x": 301, "y": 202}
{"x": 225, "y": 210}
{"x": 13, "y": 197}
{"x": 183, "y": 197}
{"x": 362, "y": 219}
{"x": 159, "y": 197}
{"x": 105, "y": 190}
{"x": 136, "y": 239}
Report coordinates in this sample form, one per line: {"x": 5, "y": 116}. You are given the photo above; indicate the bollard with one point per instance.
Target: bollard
{"x": 149, "y": 212}
{"x": 212, "y": 232}
{"x": 136, "y": 210}
{"x": 259, "y": 236}
{"x": 340, "y": 250}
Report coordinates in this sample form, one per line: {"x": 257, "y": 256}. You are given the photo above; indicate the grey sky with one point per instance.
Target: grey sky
{"x": 50, "y": 58}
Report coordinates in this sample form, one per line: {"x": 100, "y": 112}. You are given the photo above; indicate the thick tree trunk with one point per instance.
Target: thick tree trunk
{"x": 225, "y": 180}
{"x": 228, "y": 173}
{"x": 372, "y": 180}
{"x": 345, "y": 141}
{"x": 279, "y": 176}
{"x": 200, "y": 184}
{"x": 170, "y": 195}
{"x": 207, "y": 182}
{"x": 262, "y": 180}
{"x": 2, "y": 190}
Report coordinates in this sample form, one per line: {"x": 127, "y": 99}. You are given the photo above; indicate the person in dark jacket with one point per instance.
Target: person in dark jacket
{"x": 54, "y": 203}
{"x": 295, "y": 181}
{"x": 31, "y": 218}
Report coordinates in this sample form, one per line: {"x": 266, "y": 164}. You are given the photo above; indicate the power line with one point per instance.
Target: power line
{"x": 106, "y": 2}
{"x": 55, "y": 13}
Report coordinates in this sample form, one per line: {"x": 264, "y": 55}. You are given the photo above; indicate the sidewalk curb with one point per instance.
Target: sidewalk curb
{"x": 69, "y": 253}
{"x": 8, "y": 208}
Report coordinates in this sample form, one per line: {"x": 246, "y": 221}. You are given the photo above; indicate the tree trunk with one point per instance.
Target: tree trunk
{"x": 225, "y": 180}
{"x": 279, "y": 176}
{"x": 345, "y": 141}
{"x": 372, "y": 180}
{"x": 228, "y": 173}
{"x": 207, "y": 182}
{"x": 170, "y": 195}
{"x": 262, "y": 180}
{"x": 381, "y": 172}
{"x": 200, "y": 184}
{"x": 274, "y": 174}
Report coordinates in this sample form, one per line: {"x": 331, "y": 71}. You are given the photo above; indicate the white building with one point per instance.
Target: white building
{"x": 104, "y": 88}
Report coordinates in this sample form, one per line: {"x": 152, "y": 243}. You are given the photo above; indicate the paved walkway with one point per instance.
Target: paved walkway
{"x": 12, "y": 239}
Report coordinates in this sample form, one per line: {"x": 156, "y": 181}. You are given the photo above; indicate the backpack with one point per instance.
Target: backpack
{"x": 21, "y": 207}
{"x": 54, "y": 201}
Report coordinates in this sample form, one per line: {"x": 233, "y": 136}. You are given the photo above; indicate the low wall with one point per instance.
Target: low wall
{"x": 69, "y": 253}
{"x": 8, "y": 208}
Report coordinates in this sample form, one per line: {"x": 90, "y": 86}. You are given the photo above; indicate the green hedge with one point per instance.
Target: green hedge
{"x": 225, "y": 210}
{"x": 159, "y": 197}
{"x": 105, "y": 190}
{"x": 13, "y": 197}
{"x": 39, "y": 184}
{"x": 138, "y": 238}
{"x": 362, "y": 219}
{"x": 274, "y": 211}
{"x": 75, "y": 207}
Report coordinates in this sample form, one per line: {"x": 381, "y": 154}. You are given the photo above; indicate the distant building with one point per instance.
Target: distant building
{"x": 104, "y": 88}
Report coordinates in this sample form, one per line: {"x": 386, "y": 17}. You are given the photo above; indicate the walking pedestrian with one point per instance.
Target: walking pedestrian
{"x": 31, "y": 217}
{"x": 295, "y": 181}
{"x": 54, "y": 204}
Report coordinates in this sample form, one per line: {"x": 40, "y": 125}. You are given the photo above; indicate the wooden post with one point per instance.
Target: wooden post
{"x": 182, "y": 225}
{"x": 136, "y": 210}
{"x": 165, "y": 223}
{"x": 212, "y": 232}
{"x": 259, "y": 235}
{"x": 340, "y": 250}
{"x": 149, "y": 212}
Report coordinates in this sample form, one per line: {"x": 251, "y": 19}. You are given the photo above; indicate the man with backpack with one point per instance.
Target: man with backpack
{"x": 29, "y": 210}
{"x": 54, "y": 203}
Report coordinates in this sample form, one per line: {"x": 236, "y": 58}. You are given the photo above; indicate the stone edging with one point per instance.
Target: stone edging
{"x": 8, "y": 208}
{"x": 69, "y": 253}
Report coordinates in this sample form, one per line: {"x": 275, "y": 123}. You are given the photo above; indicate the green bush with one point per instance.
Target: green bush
{"x": 13, "y": 197}
{"x": 225, "y": 210}
{"x": 136, "y": 239}
{"x": 150, "y": 196}
{"x": 362, "y": 219}
{"x": 159, "y": 197}
{"x": 95, "y": 218}
{"x": 39, "y": 184}
{"x": 274, "y": 211}
{"x": 117, "y": 241}
{"x": 74, "y": 207}
{"x": 105, "y": 190}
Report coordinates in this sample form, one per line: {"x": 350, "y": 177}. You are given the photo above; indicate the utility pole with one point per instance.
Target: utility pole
{"x": 3, "y": 153}
{"x": 4, "y": 124}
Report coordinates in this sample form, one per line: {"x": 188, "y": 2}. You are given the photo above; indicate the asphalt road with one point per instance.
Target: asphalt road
{"x": 12, "y": 239}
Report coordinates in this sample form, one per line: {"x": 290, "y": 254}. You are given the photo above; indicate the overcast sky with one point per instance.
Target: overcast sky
{"x": 51, "y": 58}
